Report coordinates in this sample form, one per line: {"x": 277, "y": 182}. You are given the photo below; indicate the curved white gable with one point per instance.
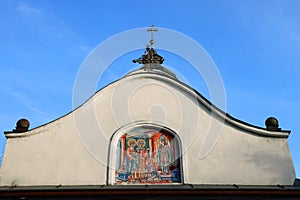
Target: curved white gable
{"x": 216, "y": 148}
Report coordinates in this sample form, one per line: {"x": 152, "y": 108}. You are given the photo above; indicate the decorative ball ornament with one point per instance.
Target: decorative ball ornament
{"x": 22, "y": 125}
{"x": 272, "y": 123}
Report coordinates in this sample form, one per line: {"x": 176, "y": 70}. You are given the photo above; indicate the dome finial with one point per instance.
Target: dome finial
{"x": 150, "y": 55}
{"x": 152, "y": 30}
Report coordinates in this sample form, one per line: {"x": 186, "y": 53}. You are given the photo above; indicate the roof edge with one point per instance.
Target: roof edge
{"x": 201, "y": 99}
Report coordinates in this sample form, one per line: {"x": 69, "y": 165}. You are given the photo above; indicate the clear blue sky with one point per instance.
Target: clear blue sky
{"x": 255, "y": 45}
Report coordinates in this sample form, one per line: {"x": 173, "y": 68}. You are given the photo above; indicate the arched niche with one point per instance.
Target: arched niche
{"x": 145, "y": 153}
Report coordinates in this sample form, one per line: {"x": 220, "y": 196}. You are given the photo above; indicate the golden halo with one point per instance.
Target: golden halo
{"x": 141, "y": 141}
{"x": 131, "y": 141}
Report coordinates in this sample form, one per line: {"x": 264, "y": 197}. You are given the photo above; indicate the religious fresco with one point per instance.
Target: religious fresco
{"x": 148, "y": 156}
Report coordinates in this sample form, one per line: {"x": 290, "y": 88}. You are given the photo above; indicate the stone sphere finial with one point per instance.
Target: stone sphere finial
{"x": 272, "y": 123}
{"x": 22, "y": 125}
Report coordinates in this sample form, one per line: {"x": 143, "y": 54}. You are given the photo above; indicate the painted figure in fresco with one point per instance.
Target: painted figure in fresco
{"x": 153, "y": 169}
{"x": 131, "y": 157}
{"x": 142, "y": 156}
{"x": 164, "y": 154}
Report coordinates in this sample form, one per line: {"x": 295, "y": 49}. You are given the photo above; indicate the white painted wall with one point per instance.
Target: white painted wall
{"x": 74, "y": 149}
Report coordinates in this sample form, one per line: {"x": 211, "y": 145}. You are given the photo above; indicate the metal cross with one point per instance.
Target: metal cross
{"x": 152, "y": 29}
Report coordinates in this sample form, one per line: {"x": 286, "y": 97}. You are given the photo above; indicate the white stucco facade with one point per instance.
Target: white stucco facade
{"x": 216, "y": 148}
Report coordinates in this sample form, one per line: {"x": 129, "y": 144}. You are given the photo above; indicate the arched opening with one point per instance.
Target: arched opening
{"x": 146, "y": 154}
